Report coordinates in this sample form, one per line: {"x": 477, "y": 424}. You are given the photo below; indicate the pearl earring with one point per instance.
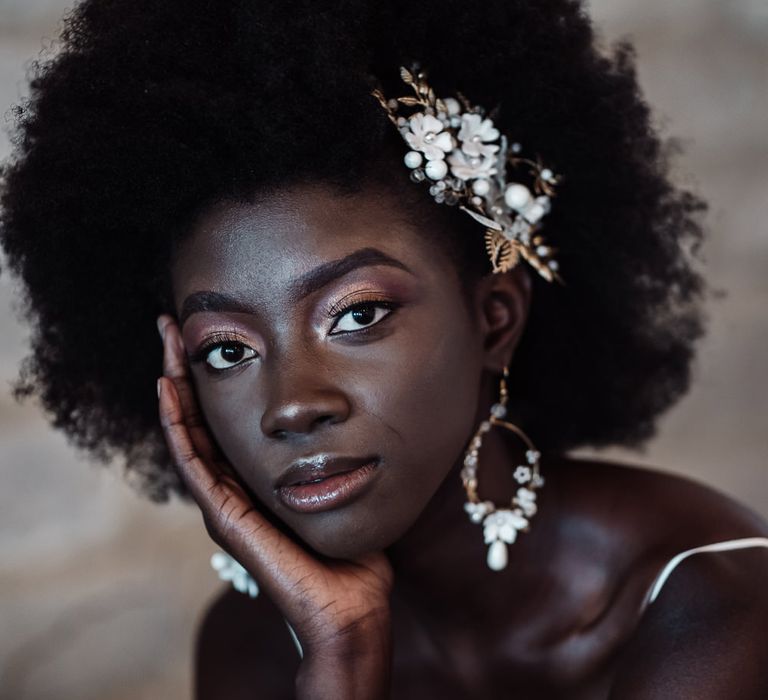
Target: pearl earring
{"x": 500, "y": 525}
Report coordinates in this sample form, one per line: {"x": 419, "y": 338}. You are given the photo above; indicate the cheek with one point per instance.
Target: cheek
{"x": 428, "y": 398}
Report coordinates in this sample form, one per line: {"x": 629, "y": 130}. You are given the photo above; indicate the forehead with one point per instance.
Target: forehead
{"x": 267, "y": 243}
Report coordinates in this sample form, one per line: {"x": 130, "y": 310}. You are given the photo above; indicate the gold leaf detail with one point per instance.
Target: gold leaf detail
{"x": 504, "y": 256}
{"x": 406, "y": 76}
{"x": 410, "y": 101}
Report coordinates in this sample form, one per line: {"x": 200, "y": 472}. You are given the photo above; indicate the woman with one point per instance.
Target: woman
{"x": 342, "y": 360}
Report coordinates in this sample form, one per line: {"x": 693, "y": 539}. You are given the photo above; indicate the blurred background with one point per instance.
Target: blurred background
{"x": 100, "y": 592}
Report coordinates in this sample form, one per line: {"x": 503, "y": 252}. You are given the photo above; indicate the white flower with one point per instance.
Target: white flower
{"x": 522, "y": 474}
{"x": 532, "y": 456}
{"x": 474, "y": 134}
{"x": 503, "y": 525}
{"x": 526, "y": 499}
{"x": 468, "y": 167}
{"x": 426, "y": 135}
{"x": 477, "y": 511}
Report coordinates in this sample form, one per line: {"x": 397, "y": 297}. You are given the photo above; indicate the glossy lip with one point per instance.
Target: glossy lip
{"x": 320, "y": 466}
{"x": 329, "y": 491}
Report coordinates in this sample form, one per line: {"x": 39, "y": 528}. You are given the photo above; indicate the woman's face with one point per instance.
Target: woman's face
{"x": 322, "y": 326}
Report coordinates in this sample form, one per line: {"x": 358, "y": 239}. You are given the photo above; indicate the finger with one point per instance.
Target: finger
{"x": 175, "y": 366}
{"x": 174, "y": 358}
{"x": 273, "y": 559}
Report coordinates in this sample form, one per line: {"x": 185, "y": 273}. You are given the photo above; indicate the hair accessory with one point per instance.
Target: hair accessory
{"x": 457, "y": 148}
{"x": 229, "y": 569}
{"x": 500, "y": 525}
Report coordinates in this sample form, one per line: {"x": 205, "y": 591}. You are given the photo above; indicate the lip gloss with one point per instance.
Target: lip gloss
{"x": 328, "y": 493}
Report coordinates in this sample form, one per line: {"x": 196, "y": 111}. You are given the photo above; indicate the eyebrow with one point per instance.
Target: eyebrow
{"x": 298, "y": 289}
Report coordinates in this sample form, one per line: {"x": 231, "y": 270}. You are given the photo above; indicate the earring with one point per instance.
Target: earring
{"x": 229, "y": 569}
{"x": 500, "y": 525}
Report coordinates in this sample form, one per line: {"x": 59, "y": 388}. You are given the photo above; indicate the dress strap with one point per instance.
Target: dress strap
{"x": 295, "y": 638}
{"x": 715, "y": 547}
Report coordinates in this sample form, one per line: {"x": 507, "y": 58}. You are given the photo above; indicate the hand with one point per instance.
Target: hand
{"x": 338, "y": 609}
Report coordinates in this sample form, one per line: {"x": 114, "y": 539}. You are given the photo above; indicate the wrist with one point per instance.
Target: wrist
{"x": 348, "y": 668}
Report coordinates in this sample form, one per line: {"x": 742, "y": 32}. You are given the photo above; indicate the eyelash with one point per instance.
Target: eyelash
{"x": 337, "y": 311}
{"x": 342, "y": 308}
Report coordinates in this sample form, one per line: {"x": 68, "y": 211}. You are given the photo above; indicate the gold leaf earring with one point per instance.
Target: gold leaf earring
{"x": 500, "y": 525}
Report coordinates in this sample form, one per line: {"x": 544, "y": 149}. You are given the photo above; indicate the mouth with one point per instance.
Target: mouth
{"x": 322, "y": 483}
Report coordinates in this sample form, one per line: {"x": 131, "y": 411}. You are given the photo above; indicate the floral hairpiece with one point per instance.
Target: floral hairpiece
{"x": 456, "y": 147}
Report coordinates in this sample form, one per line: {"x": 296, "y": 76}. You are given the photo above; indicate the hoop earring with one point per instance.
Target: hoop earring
{"x": 500, "y": 525}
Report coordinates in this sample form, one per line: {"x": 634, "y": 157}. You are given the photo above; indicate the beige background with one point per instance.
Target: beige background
{"x": 100, "y": 592}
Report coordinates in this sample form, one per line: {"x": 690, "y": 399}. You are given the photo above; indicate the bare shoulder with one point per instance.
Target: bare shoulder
{"x": 244, "y": 650}
{"x": 705, "y": 636}
{"x": 669, "y": 511}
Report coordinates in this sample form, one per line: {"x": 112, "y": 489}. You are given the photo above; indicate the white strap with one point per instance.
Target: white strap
{"x": 295, "y": 639}
{"x": 715, "y": 547}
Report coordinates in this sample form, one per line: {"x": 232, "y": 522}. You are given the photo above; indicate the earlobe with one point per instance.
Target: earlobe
{"x": 502, "y": 306}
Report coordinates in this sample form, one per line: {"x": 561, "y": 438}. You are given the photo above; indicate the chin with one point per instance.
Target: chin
{"x": 348, "y": 542}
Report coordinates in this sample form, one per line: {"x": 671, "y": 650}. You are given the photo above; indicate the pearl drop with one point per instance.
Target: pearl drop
{"x": 546, "y": 174}
{"x": 481, "y": 186}
{"x": 436, "y": 169}
{"x": 413, "y": 159}
{"x": 497, "y": 555}
{"x": 517, "y": 196}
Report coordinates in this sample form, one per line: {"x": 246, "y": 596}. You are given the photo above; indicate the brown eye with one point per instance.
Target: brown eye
{"x": 226, "y": 355}
{"x": 361, "y": 316}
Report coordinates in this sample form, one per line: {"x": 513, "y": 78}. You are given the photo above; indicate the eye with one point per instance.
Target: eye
{"x": 360, "y": 316}
{"x": 229, "y": 354}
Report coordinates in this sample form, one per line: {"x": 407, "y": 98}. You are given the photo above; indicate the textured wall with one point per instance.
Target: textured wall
{"x": 100, "y": 592}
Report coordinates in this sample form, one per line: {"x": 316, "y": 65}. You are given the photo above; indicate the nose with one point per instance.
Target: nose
{"x": 300, "y": 404}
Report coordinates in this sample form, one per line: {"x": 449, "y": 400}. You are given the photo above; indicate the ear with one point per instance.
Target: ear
{"x": 502, "y": 302}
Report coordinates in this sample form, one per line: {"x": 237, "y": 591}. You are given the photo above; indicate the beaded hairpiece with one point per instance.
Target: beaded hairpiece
{"x": 456, "y": 147}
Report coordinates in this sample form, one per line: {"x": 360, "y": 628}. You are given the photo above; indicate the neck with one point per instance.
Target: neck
{"x": 440, "y": 563}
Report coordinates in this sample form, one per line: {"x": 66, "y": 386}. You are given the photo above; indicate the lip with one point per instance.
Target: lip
{"x": 329, "y": 482}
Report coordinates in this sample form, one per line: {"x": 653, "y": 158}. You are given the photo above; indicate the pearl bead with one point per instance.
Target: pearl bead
{"x": 481, "y": 187}
{"x": 413, "y": 159}
{"x": 436, "y": 169}
{"x": 517, "y": 196}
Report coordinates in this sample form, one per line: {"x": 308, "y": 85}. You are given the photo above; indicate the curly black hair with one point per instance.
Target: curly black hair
{"x": 151, "y": 111}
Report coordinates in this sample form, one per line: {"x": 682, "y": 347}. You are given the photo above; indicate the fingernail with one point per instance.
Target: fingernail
{"x": 159, "y": 385}
{"x": 161, "y": 328}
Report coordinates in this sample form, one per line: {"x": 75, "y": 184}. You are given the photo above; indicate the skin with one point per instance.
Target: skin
{"x": 389, "y": 594}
